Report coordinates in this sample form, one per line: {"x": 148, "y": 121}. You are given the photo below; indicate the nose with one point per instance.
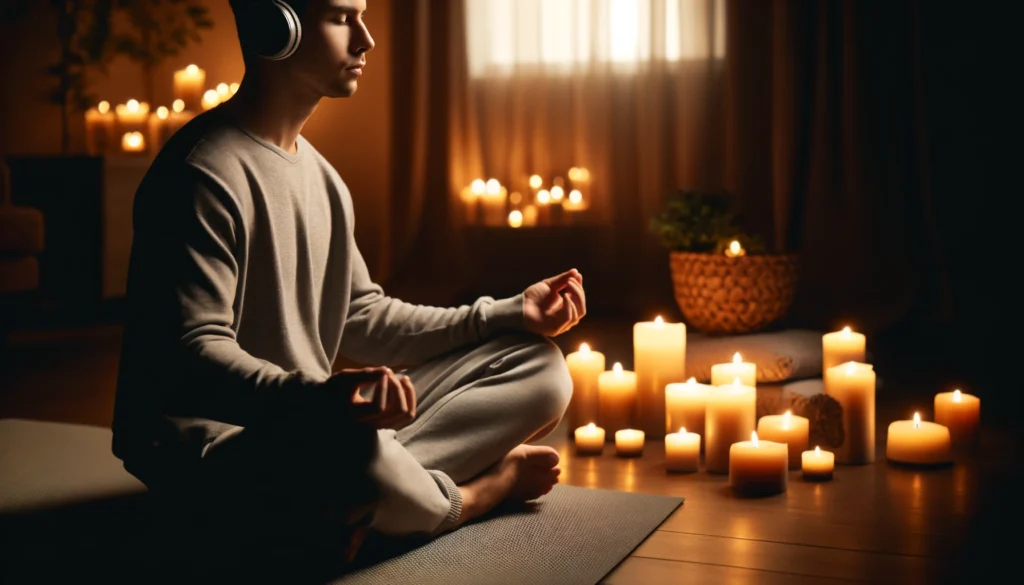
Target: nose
{"x": 362, "y": 42}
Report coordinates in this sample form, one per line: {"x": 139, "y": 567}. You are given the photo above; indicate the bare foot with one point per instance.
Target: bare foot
{"x": 526, "y": 473}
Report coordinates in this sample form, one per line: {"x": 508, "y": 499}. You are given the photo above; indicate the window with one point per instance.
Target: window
{"x": 568, "y": 35}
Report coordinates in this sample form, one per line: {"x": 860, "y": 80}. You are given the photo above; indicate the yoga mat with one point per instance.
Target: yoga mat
{"x": 570, "y": 536}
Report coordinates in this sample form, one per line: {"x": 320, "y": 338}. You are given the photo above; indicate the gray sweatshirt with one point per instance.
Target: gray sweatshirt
{"x": 245, "y": 284}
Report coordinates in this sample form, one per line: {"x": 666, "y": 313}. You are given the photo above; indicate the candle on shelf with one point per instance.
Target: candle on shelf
{"x": 852, "y": 385}
{"x": 233, "y": 88}
{"x": 960, "y": 413}
{"x": 530, "y": 215}
{"x": 659, "y": 355}
{"x": 685, "y": 403}
{"x": 543, "y": 200}
{"x": 557, "y": 194}
{"x": 493, "y": 203}
{"x": 629, "y": 442}
{"x": 536, "y": 182}
{"x": 792, "y": 430}
{"x": 132, "y": 116}
{"x": 223, "y": 91}
{"x": 471, "y": 196}
{"x": 589, "y": 439}
{"x": 158, "y": 128}
{"x": 585, "y": 367}
{"x": 817, "y": 465}
{"x": 735, "y": 250}
{"x": 722, "y": 374}
{"x": 133, "y": 142}
{"x": 842, "y": 346}
{"x": 515, "y": 218}
{"x": 177, "y": 117}
{"x": 575, "y": 201}
{"x": 188, "y": 87}
{"x": 918, "y": 442}
{"x": 211, "y": 99}
{"x": 758, "y": 467}
{"x": 100, "y": 129}
{"x": 616, "y": 398}
{"x": 731, "y": 415}
{"x": 682, "y": 451}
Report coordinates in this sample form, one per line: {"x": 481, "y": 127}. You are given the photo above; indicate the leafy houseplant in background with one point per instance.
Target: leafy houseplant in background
{"x": 723, "y": 279}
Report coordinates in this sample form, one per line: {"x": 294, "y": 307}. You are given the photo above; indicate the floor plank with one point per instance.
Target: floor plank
{"x": 646, "y": 571}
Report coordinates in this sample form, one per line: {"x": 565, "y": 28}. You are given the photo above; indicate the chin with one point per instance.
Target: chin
{"x": 346, "y": 88}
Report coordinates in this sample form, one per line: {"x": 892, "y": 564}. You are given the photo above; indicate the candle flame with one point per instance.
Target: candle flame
{"x": 132, "y": 105}
{"x": 658, "y": 320}
{"x": 178, "y": 105}
{"x": 957, "y": 397}
{"x": 557, "y": 193}
{"x": 753, "y": 438}
{"x": 103, "y": 107}
{"x": 575, "y": 196}
{"x": 917, "y": 420}
{"x": 543, "y": 197}
{"x": 591, "y": 426}
{"x": 493, "y": 187}
{"x": 536, "y": 182}
{"x": 223, "y": 89}
{"x": 851, "y": 368}
{"x": 847, "y": 331}
{"x": 584, "y": 348}
{"x": 737, "y": 358}
{"x": 682, "y": 430}
{"x": 162, "y": 112}
{"x": 478, "y": 187}
{"x": 692, "y": 380}
{"x": 617, "y": 368}
{"x": 817, "y": 451}
{"x": 192, "y": 69}
{"x": 735, "y": 247}
{"x": 515, "y": 218}
{"x": 787, "y": 419}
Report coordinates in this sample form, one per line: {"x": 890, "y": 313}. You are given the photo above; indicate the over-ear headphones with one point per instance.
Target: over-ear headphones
{"x": 270, "y": 29}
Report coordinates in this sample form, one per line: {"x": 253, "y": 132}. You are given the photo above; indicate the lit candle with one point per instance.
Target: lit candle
{"x": 158, "y": 128}
{"x": 685, "y": 404}
{"x": 817, "y": 465}
{"x": 211, "y": 99}
{"x": 758, "y": 467}
{"x": 177, "y": 117}
{"x": 616, "y": 398}
{"x": 735, "y": 250}
{"x": 659, "y": 355}
{"x": 722, "y": 374}
{"x": 223, "y": 91}
{"x": 515, "y": 218}
{"x": 530, "y": 215}
{"x": 792, "y": 430}
{"x": 960, "y": 413}
{"x": 133, "y": 142}
{"x": 852, "y": 385}
{"x": 536, "y": 182}
{"x": 557, "y": 193}
{"x": 100, "y": 129}
{"x": 589, "y": 439}
{"x": 493, "y": 203}
{"x": 682, "y": 451}
{"x": 731, "y": 416}
{"x": 575, "y": 201}
{"x": 585, "y": 367}
{"x": 842, "y": 346}
{"x": 132, "y": 116}
{"x": 629, "y": 442}
{"x": 917, "y": 442}
{"x": 233, "y": 88}
{"x": 188, "y": 87}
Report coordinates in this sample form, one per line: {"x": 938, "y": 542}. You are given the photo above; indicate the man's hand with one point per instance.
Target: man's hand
{"x": 555, "y": 305}
{"x": 393, "y": 402}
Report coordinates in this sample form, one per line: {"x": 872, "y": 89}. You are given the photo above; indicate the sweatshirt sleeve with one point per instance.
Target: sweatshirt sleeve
{"x": 179, "y": 341}
{"x": 386, "y": 331}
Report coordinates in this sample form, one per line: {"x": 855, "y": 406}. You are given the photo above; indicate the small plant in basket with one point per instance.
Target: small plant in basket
{"x": 701, "y": 222}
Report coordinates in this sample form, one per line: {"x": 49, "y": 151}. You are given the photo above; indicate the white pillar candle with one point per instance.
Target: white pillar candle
{"x": 817, "y": 465}
{"x": 659, "y": 357}
{"x": 589, "y": 439}
{"x": 918, "y": 442}
{"x": 629, "y": 442}
{"x": 682, "y": 451}
{"x": 685, "y": 404}
{"x": 960, "y": 413}
{"x": 758, "y": 467}
{"x": 585, "y": 367}
{"x": 616, "y": 398}
{"x": 731, "y": 416}
{"x": 100, "y": 129}
{"x": 840, "y": 347}
{"x": 493, "y": 203}
{"x": 722, "y": 374}
{"x": 787, "y": 428}
{"x": 852, "y": 385}
{"x": 189, "y": 85}
{"x": 158, "y": 128}
{"x": 132, "y": 116}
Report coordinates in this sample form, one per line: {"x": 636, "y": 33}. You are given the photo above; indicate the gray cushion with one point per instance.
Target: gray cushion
{"x": 783, "y": 355}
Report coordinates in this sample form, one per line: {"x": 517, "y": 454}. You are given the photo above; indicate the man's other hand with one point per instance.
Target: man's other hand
{"x": 392, "y": 402}
{"x": 555, "y": 305}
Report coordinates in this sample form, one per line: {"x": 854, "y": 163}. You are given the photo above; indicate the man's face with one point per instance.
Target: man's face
{"x": 334, "y": 44}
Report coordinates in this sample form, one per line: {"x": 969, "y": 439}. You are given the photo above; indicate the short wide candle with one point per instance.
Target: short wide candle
{"x": 792, "y": 430}
{"x": 960, "y": 413}
{"x": 617, "y": 396}
{"x": 731, "y": 416}
{"x": 722, "y": 374}
{"x": 682, "y": 451}
{"x": 817, "y": 465}
{"x": 629, "y": 442}
{"x": 685, "y": 404}
{"x": 659, "y": 358}
{"x": 758, "y": 467}
{"x": 918, "y": 442}
{"x": 842, "y": 346}
{"x": 584, "y": 366}
{"x": 590, "y": 439}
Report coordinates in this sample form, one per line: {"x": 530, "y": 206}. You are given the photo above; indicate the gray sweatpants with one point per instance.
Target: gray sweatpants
{"x": 473, "y": 406}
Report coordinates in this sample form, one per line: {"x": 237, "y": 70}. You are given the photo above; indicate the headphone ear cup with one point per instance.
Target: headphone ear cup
{"x": 271, "y": 30}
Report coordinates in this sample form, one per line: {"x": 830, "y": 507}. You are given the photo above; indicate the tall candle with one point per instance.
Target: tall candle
{"x": 758, "y": 467}
{"x": 730, "y": 417}
{"x": 817, "y": 465}
{"x": 189, "y": 85}
{"x": 100, "y": 129}
{"x": 682, "y": 451}
{"x": 158, "y": 128}
{"x": 494, "y": 201}
{"x": 787, "y": 428}
{"x": 685, "y": 403}
{"x": 842, "y": 346}
{"x": 960, "y": 413}
{"x": 589, "y": 439}
{"x": 585, "y": 367}
{"x": 918, "y": 442}
{"x": 132, "y": 116}
{"x": 629, "y": 442}
{"x": 659, "y": 355}
{"x": 616, "y": 398}
{"x": 722, "y": 374}
{"x": 852, "y": 384}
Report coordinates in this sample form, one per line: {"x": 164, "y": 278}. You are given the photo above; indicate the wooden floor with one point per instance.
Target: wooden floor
{"x": 871, "y": 524}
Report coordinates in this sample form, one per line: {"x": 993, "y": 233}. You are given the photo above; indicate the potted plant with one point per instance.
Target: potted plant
{"x": 723, "y": 279}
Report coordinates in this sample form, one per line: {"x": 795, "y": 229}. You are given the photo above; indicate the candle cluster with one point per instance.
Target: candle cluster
{"x": 135, "y": 128}
{"x": 716, "y": 426}
{"x": 490, "y": 203}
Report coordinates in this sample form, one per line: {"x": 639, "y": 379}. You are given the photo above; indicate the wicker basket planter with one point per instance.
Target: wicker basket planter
{"x": 719, "y": 294}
